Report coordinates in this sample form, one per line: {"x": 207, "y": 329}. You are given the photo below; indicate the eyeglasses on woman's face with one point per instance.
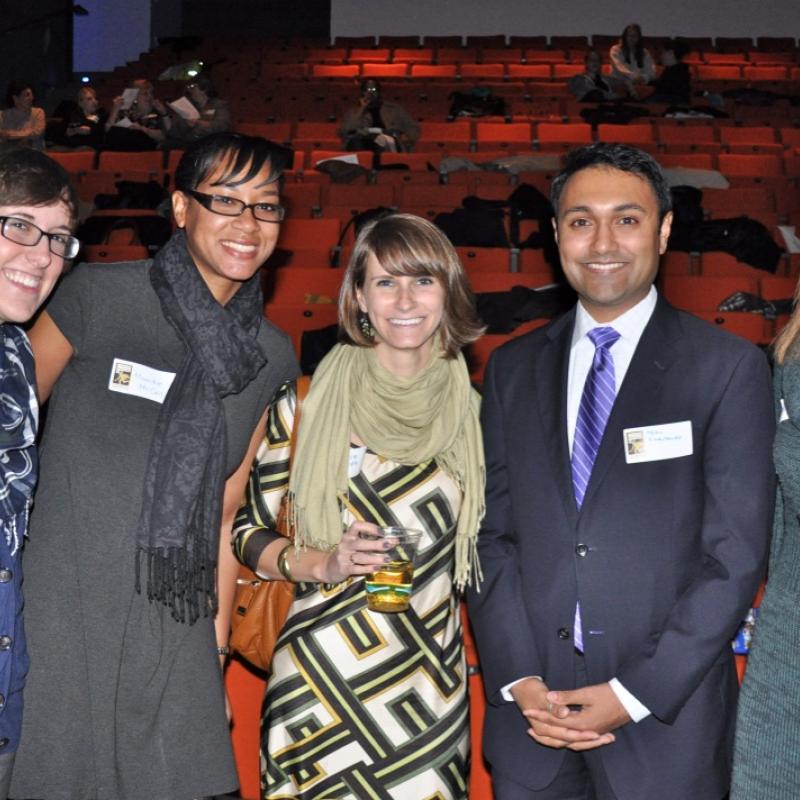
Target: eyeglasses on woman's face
{"x": 233, "y": 207}
{"x": 21, "y": 231}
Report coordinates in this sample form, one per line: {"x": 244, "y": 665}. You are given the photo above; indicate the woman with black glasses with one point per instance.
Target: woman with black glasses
{"x": 158, "y": 373}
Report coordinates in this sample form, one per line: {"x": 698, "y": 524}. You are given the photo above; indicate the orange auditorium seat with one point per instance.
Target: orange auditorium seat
{"x": 413, "y": 55}
{"x": 749, "y": 138}
{"x": 293, "y": 320}
{"x": 114, "y": 161}
{"x": 537, "y": 55}
{"x": 638, "y": 134}
{"x": 699, "y": 137}
{"x": 301, "y": 199}
{"x": 297, "y": 286}
{"x": 697, "y": 293}
{"x": 480, "y": 71}
{"x": 755, "y": 165}
{"x": 562, "y": 135}
{"x": 565, "y": 71}
{"x": 280, "y": 132}
{"x": 373, "y": 55}
{"x": 513, "y": 135}
{"x": 75, "y": 162}
{"x": 737, "y": 59}
{"x": 326, "y": 55}
{"x": 724, "y": 265}
{"x": 438, "y": 196}
{"x": 456, "y": 55}
{"x": 540, "y": 72}
{"x": 765, "y": 72}
{"x": 718, "y": 72}
{"x": 396, "y": 69}
{"x": 316, "y": 135}
{"x": 335, "y": 70}
{"x": 358, "y": 198}
{"x": 96, "y": 253}
{"x": 484, "y": 259}
{"x": 454, "y": 135}
{"x": 752, "y": 327}
{"x": 501, "y": 55}
{"x": 738, "y": 200}
{"x": 433, "y": 70}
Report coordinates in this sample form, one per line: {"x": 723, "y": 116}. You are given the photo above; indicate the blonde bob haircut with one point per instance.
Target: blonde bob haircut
{"x": 405, "y": 244}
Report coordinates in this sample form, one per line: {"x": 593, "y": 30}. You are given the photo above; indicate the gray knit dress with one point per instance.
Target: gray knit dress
{"x": 767, "y": 752}
{"x": 122, "y": 702}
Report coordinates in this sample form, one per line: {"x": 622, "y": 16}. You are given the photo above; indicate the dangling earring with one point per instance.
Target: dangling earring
{"x": 365, "y": 325}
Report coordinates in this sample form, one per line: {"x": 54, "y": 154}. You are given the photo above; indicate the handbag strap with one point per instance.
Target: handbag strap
{"x": 302, "y": 385}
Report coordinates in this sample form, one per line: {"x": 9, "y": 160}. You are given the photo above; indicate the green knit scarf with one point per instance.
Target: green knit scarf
{"x": 433, "y": 415}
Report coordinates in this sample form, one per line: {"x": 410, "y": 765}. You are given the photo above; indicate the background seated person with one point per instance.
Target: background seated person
{"x": 141, "y": 126}
{"x": 592, "y": 86}
{"x": 674, "y": 84}
{"x": 378, "y": 124}
{"x": 632, "y": 66}
{"x": 84, "y": 122}
{"x": 21, "y": 124}
{"x": 215, "y": 115}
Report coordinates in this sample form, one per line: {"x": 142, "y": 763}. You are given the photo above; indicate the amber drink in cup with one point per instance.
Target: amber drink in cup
{"x": 389, "y": 587}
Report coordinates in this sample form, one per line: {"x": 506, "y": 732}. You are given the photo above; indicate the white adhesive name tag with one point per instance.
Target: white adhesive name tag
{"x": 784, "y": 412}
{"x": 658, "y": 442}
{"x": 356, "y": 459}
{"x": 128, "y": 377}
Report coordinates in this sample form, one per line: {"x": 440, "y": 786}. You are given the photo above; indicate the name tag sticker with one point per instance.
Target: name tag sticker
{"x": 356, "y": 460}
{"x": 128, "y": 377}
{"x": 658, "y": 442}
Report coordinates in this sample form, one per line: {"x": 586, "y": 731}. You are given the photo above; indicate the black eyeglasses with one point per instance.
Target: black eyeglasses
{"x": 23, "y": 232}
{"x": 232, "y": 207}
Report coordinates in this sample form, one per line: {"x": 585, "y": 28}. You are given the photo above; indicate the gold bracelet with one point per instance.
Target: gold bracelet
{"x": 283, "y": 566}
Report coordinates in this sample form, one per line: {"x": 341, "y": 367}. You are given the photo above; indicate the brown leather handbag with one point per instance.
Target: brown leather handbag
{"x": 260, "y": 607}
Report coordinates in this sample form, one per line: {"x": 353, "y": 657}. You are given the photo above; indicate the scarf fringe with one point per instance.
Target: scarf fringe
{"x": 185, "y": 585}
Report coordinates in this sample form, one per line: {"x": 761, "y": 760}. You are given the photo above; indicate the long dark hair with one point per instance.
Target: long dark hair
{"x": 638, "y": 50}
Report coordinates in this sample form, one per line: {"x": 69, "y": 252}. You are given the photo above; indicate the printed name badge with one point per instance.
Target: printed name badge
{"x": 128, "y": 377}
{"x": 658, "y": 442}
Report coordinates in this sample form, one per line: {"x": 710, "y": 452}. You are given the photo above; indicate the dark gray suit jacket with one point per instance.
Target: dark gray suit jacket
{"x": 665, "y": 556}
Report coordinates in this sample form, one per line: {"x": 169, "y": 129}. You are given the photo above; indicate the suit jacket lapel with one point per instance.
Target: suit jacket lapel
{"x": 642, "y": 390}
{"x": 552, "y": 369}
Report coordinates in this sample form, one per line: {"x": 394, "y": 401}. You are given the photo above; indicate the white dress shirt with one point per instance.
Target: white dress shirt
{"x": 630, "y": 326}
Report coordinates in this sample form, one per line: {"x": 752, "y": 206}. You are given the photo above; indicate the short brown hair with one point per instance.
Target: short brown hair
{"x": 30, "y": 178}
{"x": 405, "y": 244}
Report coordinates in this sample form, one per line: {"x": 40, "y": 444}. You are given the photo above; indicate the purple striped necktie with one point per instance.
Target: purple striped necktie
{"x": 599, "y": 393}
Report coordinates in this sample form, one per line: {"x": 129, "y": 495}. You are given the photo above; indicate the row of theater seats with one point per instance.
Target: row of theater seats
{"x": 505, "y": 55}
{"x": 466, "y": 70}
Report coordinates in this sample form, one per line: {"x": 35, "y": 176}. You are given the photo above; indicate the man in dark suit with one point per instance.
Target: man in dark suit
{"x": 629, "y": 497}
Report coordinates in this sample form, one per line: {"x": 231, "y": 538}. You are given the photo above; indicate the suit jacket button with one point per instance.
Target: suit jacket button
{"x": 563, "y": 633}
{"x": 5, "y": 642}
{"x": 581, "y": 550}
{"x": 5, "y": 575}
{"x": 4, "y": 741}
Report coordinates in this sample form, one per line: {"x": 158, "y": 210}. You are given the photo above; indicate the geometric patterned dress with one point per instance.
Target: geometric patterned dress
{"x": 362, "y": 704}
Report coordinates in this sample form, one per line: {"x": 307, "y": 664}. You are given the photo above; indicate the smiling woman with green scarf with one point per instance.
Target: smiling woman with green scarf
{"x": 389, "y": 436}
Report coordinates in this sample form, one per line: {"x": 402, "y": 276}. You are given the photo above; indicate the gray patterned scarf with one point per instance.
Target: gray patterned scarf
{"x": 19, "y": 418}
{"x": 178, "y": 533}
